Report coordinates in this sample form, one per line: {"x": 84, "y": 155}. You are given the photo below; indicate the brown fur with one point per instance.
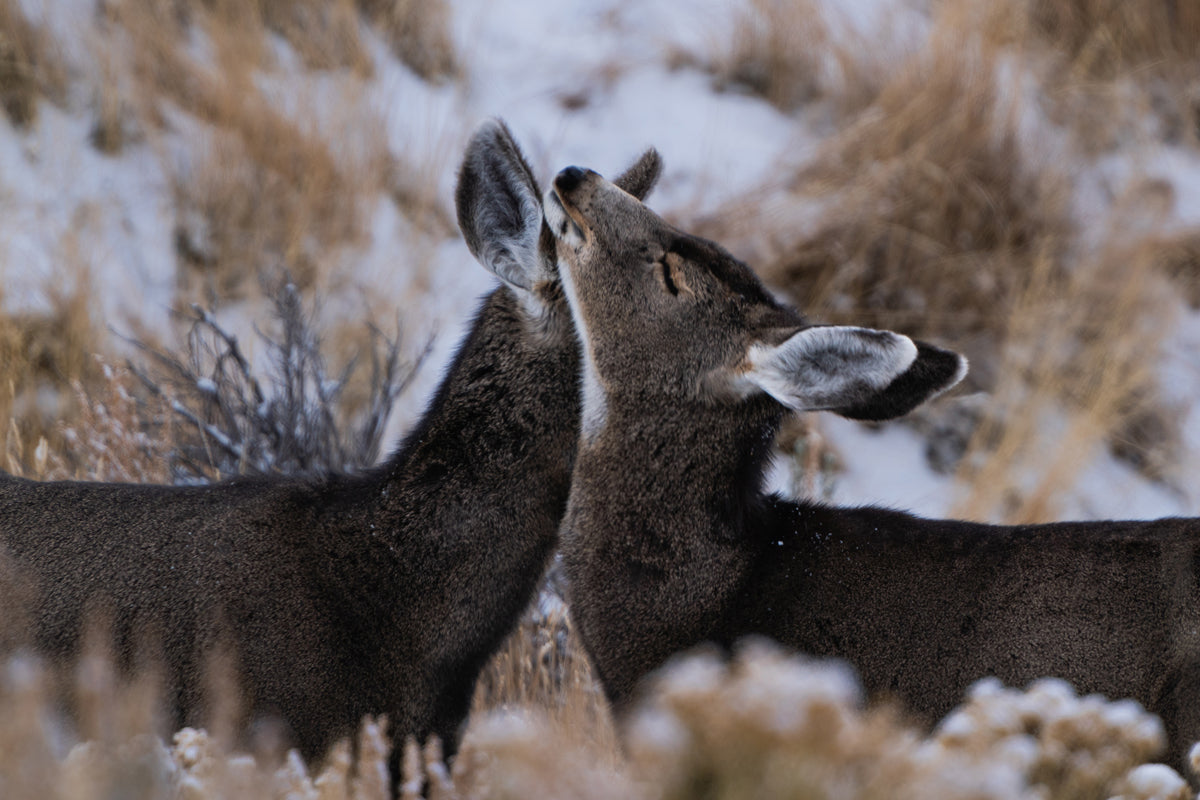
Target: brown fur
{"x": 378, "y": 594}
{"x": 669, "y": 540}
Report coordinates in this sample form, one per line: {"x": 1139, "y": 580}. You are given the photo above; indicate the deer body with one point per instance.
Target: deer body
{"x": 383, "y": 593}
{"x": 669, "y": 539}
{"x": 925, "y": 607}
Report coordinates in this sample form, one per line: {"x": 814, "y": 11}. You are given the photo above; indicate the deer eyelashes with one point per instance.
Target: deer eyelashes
{"x": 670, "y": 272}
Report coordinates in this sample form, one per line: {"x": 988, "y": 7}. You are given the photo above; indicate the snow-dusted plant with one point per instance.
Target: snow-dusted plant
{"x": 292, "y": 418}
{"x": 770, "y": 724}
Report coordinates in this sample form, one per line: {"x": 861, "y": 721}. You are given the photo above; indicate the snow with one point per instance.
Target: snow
{"x": 579, "y": 81}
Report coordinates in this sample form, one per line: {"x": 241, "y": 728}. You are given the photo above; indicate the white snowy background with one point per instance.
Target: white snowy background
{"x": 580, "y": 82}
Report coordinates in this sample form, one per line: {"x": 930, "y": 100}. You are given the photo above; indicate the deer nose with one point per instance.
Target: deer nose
{"x": 569, "y": 179}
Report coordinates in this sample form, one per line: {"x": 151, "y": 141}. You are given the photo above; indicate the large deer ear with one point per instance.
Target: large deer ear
{"x": 641, "y": 176}
{"x": 500, "y": 208}
{"x": 855, "y": 372}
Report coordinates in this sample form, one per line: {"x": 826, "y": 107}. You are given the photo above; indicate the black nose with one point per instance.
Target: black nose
{"x": 570, "y": 178}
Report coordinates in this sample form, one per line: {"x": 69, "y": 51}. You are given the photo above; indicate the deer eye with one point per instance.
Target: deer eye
{"x": 672, "y": 275}
{"x": 668, "y": 281}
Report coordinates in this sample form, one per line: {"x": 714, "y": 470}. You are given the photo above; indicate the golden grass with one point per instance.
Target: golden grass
{"x": 1112, "y": 71}
{"x": 44, "y": 357}
{"x": 271, "y": 171}
{"x": 765, "y": 725}
{"x": 930, "y": 212}
{"x": 1077, "y": 371}
{"x": 419, "y": 35}
{"x": 31, "y": 66}
{"x": 1103, "y": 39}
{"x": 787, "y": 52}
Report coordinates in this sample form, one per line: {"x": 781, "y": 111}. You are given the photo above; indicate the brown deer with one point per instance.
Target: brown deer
{"x": 669, "y": 540}
{"x": 382, "y": 593}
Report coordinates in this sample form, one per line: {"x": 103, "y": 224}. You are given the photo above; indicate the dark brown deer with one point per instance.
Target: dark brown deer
{"x": 383, "y": 593}
{"x": 669, "y": 539}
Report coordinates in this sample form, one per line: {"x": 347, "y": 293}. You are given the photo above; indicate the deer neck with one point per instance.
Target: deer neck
{"x": 695, "y": 465}
{"x": 497, "y": 440}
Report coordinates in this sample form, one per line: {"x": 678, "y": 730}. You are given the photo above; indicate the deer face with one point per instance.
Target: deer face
{"x": 666, "y": 317}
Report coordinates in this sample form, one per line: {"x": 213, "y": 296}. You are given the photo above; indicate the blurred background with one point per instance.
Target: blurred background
{"x": 1015, "y": 179}
{"x": 220, "y": 219}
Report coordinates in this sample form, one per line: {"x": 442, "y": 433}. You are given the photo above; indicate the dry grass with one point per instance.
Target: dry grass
{"x": 266, "y": 171}
{"x": 929, "y": 210}
{"x": 765, "y": 725}
{"x": 790, "y": 53}
{"x": 31, "y": 67}
{"x": 1078, "y": 372}
{"x": 934, "y": 212}
{"x": 1108, "y": 68}
{"x": 44, "y": 357}
{"x": 419, "y": 35}
{"x": 1103, "y": 39}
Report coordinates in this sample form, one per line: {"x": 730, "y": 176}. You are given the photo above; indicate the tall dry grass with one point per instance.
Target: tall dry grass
{"x": 267, "y": 169}
{"x": 794, "y": 53}
{"x": 764, "y": 725}
{"x": 927, "y": 208}
{"x": 1110, "y": 68}
{"x": 939, "y": 209}
{"x": 1077, "y": 375}
{"x": 254, "y": 188}
{"x": 48, "y": 357}
{"x": 31, "y": 66}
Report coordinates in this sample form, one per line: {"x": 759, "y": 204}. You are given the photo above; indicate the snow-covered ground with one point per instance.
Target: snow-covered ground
{"x": 580, "y": 82}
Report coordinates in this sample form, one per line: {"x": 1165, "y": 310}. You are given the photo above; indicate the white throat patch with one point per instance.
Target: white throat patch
{"x": 594, "y": 401}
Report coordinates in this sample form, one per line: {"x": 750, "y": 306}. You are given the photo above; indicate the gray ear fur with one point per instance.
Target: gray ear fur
{"x": 641, "y": 176}
{"x": 856, "y": 372}
{"x": 500, "y": 208}
{"x": 825, "y": 368}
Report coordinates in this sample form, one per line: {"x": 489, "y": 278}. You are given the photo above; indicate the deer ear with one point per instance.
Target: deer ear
{"x": 855, "y": 372}
{"x": 641, "y": 176}
{"x": 500, "y": 208}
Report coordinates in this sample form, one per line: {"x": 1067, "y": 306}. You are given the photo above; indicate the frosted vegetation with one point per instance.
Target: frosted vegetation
{"x": 259, "y": 194}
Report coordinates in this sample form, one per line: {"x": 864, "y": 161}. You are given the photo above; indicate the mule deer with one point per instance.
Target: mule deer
{"x": 348, "y": 595}
{"x": 669, "y": 539}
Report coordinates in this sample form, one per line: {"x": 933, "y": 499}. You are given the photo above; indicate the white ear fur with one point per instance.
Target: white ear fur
{"x": 513, "y": 254}
{"x": 500, "y": 207}
{"x": 828, "y": 367}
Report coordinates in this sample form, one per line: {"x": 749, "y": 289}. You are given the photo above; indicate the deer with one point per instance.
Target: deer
{"x": 670, "y": 541}
{"x": 382, "y": 593}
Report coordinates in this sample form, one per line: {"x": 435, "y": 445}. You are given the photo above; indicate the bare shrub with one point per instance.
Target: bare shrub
{"x": 31, "y": 67}
{"x": 290, "y": 423}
